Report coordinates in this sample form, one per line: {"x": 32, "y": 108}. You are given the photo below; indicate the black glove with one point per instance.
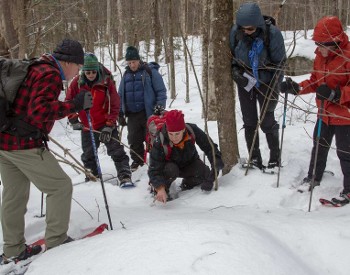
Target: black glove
{"x": 323, "y": 92}
{"x": 207, "y": 185}
{"x": 238, "y": 77}
{"x": 76, "y": 124}
{"x": 83, "y": 101}
{"x": 106, "y": 134}
{"x": 219, "y": 164}
{"x": 158, "y": 110}
{"x": 290, "y": 87}
{"x": 122, "y": 121}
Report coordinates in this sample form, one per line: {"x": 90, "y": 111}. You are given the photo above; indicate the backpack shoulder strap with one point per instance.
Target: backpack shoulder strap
{"x": 148, "y": 69}
{"x": 191, "y": 132}
{"x": 166, "y": 147}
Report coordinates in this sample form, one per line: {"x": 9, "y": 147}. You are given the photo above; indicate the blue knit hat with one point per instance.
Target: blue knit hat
{"x": 249, "y": 14}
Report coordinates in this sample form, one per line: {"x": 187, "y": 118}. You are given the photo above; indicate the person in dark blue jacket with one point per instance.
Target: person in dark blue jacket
{"x": 258, "y": 54}
{"x": 141, "y": 89}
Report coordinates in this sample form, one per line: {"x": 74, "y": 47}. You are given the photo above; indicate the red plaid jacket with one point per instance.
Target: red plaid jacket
{"x": 37, "y": 100}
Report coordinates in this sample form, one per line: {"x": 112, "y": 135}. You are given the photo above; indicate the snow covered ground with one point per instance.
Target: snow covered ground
{"x": 249, "y": 226}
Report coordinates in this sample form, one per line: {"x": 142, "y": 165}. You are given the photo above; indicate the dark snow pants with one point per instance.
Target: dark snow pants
{"x": 114, "y": 149}
{"x": 342, "y": 140}
{"x": 193, "y": 174}
{"x": 137, "y": 123}
{"x": 269, "y": 125}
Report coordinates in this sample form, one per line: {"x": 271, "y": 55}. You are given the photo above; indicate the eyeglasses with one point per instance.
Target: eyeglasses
{"x": 249, "y": 29}
{"x": 90, "y": 72}
{"x": 328, "y": 45}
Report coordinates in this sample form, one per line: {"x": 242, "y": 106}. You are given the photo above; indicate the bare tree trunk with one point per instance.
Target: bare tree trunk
{"x": 108, "y": 20}
{"x": 171, "y": 53}
{"x": 120, "y": 29}
{"x": 312, "y": 9}
{"x": 205, "y": 42}
{"x": 156, "y": 30}
{"x": 184, "y": 13}
{"x": 21, "y": 27}
{"x": 221, "y": 12}
{"x": 7, "y": 28}
{"x": 87, "y": 27}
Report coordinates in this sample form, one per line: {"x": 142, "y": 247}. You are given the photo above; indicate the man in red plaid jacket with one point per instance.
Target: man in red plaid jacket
{"x": 24, "y": 157}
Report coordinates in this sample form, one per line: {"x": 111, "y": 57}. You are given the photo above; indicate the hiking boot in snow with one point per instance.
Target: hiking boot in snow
{"x": 272, "y": 167}
{"x": 68, "y": 240}
{"x": 272, "y": 164}
{"x": 135, "y": 165}
{"x": 257, "y": 162}
{"x": 188, "y": 184}
{"x": 126, "y": 182}
{"x": 28, "y": 252}
{"x": 344, "y": 198}
{"x": 306, "y": 184}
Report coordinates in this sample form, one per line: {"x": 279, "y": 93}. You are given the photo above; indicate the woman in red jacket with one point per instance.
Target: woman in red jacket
{"x": 330, "y": 80}
{"x": 104, "y": 113}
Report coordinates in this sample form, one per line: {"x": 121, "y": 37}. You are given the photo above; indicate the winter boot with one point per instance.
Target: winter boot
{"x": 257, "y": 162}
{"x": 126, "y": 182}
{"x": 306, "y": 184}
{"x": 28, "y": 252}
{"x": 135, "y": 165}
{"x": 256, "y": 159}
{"x": 273, "y": 143}
{"x": 344, "y": 198}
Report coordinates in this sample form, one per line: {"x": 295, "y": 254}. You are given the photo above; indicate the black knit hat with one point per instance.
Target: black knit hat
{"x": 70, "y": 51}
{"x": 132, "y": 54}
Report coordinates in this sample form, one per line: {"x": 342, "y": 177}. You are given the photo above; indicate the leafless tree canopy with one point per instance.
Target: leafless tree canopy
{"x": 30, "y": 27}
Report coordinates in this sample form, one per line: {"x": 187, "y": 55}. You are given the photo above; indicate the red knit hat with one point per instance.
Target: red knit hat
{"x": 174, "y": 121}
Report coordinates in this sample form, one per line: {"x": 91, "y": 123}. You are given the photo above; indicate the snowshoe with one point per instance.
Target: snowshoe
{"x": 306, "y": 184}
{"x": 254, "y": 163}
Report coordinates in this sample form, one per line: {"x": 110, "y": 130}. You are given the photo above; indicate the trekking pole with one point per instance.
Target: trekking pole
{"x": 42, "y": 207}
{"x": 316, "y": 152}
{"x": 98, "y": 167}
{"x": 289, "y": 80}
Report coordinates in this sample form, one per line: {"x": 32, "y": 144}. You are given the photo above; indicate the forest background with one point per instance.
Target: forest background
{"x": 29, "y": 28}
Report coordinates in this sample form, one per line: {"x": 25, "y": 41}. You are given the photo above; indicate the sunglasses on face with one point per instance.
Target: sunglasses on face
{"x": 90, "y": 72}
{"x": 249, "y": 29}
{"x": 327, "y": 44}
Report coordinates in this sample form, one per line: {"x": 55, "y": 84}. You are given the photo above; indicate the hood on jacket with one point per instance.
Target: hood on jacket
{"x": 153, "y": 65}
{"x": 330, "y": 29}
{"x": 249, "y": 14}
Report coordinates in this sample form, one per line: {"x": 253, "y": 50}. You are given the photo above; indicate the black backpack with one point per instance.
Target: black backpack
{"x": 13, "y": 73}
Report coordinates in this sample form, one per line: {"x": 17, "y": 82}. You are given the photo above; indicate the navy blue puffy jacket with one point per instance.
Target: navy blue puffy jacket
{"x": 139, "y": 91}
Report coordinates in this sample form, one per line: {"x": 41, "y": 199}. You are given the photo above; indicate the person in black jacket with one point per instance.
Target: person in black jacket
{"x": 259, "y": 54}
{"x": 174, "y": 155}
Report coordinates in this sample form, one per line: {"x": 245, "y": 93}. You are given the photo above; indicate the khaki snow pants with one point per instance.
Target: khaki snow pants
{"x": 18, "y": 169}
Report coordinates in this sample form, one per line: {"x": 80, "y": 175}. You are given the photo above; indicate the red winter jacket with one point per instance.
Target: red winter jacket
{"x": 37, "y": 101}
{"x": 105, "y": 103}
{"x": 333, "y": 70}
